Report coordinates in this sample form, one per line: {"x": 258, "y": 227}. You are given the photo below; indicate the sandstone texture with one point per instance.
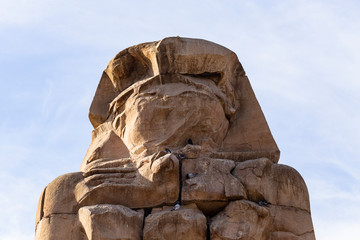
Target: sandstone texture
{"x": 187, "y": 222}
{"x": 111, "y": 222}
{"x": 241, "y": 220}
{"x": 180, "y": 150}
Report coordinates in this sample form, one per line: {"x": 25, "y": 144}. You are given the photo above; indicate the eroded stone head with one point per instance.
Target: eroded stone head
{"x": 158, "y": 95}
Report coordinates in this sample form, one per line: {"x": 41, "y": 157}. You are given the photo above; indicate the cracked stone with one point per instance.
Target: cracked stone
{"x": 185, "y": 223}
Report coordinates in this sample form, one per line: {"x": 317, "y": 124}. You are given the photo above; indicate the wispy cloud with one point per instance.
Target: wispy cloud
{"x": 302, "y": 58}
{"x": 19, "y": 196}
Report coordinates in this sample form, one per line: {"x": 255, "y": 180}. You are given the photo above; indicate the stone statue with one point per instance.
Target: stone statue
{"x": 180, "y": 150}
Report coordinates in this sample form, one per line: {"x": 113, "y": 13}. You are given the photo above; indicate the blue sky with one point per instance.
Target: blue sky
{"x": 302, "y": 58}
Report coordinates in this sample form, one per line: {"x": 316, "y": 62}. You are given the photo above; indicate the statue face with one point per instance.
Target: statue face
{"x": 167, "y": 115}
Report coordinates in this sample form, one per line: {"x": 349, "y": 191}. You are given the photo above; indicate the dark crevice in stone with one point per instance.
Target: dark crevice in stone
{"x": 55, "y": 214}
{"x": 255, "y": 197}
{"x": 180, "y": 156}
{"x": 263, "y": 203}
{"x": 208, "y": 228}
{"x": 147, "y": 212}
{"x": 214, "y": 76}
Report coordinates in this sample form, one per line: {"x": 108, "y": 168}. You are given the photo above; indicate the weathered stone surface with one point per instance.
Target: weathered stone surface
{"x": 111, "y": 222}
{"x": 152, "y": 182}
{"x": 176, "y": 121}
{"x": 247, "y": 220}
{"x": 290, "y": 188}
{"x": 149, "y": 182}
{"x": 59, "y": 195}
{"x": 105, "y": 145}
{"x": 290, "y": 219}
{"x": 166, "y": 224}
{"x": 241, "y": 220}
{"x": 213, "y": 182}
{"x": 59, "y": 227}
{"x": 275, "y": 183}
